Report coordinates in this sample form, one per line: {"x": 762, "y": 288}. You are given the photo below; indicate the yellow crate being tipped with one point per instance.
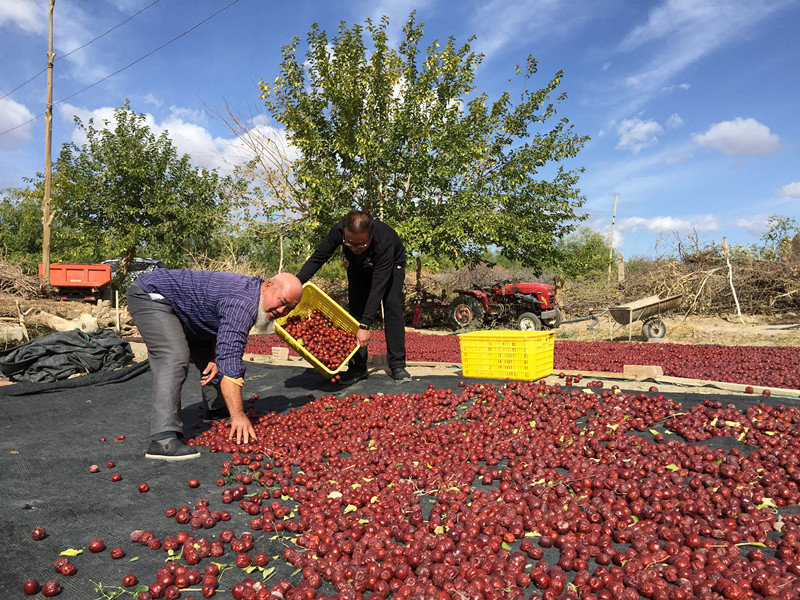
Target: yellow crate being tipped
{"x": 315, "y": 299}
{"x": 525, "y": 355}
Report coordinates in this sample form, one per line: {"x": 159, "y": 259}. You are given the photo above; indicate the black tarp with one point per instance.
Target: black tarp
{"x": 62, "y": 354}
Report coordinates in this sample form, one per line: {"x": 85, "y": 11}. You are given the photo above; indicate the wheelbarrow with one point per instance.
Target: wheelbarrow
{"x": 649, "y": 311}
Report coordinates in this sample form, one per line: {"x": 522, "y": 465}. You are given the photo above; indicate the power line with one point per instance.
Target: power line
{"x": 24, "y": 83}
{"x": 177, "y": 37}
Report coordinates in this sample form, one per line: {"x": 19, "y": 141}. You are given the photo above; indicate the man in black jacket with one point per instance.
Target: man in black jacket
{"x": 376, "y": 270}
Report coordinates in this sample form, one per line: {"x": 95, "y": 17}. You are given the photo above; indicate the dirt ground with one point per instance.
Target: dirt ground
{"x": 728, "y": 331}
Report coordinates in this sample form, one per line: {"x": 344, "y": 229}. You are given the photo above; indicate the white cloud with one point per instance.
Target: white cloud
{"x": 792, "y": 190}
{"x": 12, "y": 117}
{"x": 191, "y": 139}
{"x": 100, "y": 116}
{"x": 152, "y": 100}
{"x": 740, "y": 137}
{"x": 633, "y": 227}
{"x": 753, "y": 224}
{"x": 186, "y": 129}
{"x": 663, "y": 224}
{"x": 29, "y": 15}
{"x": 674, "y": 121}
{"x": 187, "y": 114}
{"x": 635, "y": 134}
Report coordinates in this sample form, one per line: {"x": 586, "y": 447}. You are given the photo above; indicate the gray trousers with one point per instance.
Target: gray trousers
{"x": 170, "y": 354}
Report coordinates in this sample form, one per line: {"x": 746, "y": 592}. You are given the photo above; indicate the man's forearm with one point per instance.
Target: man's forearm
{"x": 232, "y": 393}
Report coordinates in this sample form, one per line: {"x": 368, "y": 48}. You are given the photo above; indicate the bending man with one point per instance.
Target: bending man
{"x": 202, "y": 318}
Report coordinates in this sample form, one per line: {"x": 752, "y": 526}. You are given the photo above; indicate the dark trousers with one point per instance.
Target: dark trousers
{"x": 170, "y": 354}
{"x": 359, "y": 284}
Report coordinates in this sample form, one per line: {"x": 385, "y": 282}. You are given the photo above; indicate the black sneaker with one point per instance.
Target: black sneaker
{"x": 215, "y": 414}
{"x": 351, "y": 376}
{"x": 173, "y": 450}
{"x": 401, "y": 375}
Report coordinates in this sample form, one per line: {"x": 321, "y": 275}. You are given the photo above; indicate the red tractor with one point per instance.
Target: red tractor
{"x": 530, "y": 305}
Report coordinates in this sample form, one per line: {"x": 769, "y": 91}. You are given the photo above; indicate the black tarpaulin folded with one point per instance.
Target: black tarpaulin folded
{"x": 59, "y": 355}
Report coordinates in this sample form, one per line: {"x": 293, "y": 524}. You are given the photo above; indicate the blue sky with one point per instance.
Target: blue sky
{"x": 691, "y": 105}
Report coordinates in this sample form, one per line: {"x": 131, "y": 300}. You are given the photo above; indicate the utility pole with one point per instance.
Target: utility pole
{"x": 47, "y": 218}
{"x": 611, "y": 244}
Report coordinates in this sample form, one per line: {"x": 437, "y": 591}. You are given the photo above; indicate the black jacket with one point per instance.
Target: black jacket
{"x": 385, "y": 252}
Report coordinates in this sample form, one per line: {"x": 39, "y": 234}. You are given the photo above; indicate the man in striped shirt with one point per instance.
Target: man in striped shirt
{"x": 202, "y": 318}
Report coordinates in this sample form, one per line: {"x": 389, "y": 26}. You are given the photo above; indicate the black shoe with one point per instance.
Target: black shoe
{"x": 173, "y": 450}
{"x": 215, "y": 414}
{"x": 352, "y": 376}
{"x": 401, "y": 375}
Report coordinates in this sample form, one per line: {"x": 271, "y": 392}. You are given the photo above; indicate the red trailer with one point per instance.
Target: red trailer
{"x": 79, "y": 281}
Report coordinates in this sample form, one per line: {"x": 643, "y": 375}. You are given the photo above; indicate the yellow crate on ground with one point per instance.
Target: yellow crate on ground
{"x": 315, "y": 299}
{"x": 524, "y": 355}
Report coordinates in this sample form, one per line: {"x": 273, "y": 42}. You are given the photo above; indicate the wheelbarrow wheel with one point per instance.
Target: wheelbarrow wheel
{"x": 529, "y": 322}
{"x": 654, "y": 328}
{"x": 465, "y": 311}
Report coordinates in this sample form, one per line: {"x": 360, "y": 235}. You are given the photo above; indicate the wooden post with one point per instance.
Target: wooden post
{"x": 558, "y": 285}
{"x": 47, "y": 218}
{"x": 611, "y": 243}
{"x": 620, "y": 267}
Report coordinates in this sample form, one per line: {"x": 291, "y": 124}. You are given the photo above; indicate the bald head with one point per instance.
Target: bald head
{"x": 290, "y": 287}
{"x": 280, "y": 295}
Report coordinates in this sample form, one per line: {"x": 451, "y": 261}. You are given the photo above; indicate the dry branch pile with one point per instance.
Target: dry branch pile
{"x": 762, "y": 288}
{"x": 14, "y": 281}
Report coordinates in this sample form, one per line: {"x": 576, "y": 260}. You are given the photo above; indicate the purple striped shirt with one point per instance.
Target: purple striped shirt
{"x": 211, "y": 305}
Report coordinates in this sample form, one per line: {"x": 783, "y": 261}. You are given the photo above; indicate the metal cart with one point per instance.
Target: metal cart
{"x": 648, "y": 310}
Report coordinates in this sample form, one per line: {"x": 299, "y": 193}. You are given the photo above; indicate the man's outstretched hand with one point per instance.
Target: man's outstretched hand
{"x": 241, "y": 429}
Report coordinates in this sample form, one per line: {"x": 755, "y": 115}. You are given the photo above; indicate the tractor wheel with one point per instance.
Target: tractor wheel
{"x": 529, "y": 322}
{"x": 465, "y": 311}
{"x": 654, "y": 328}
{"x": 555, "y": 322}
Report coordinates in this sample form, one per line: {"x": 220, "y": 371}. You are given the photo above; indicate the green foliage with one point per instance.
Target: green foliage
{"x": 399, "y": 133}
{"x": 21, "y": 228}
{"x": 262, "y": 242}
{"x": 584, "y": 253}
{"x": 778, "y": 238}
{"x": 126, "y": 192}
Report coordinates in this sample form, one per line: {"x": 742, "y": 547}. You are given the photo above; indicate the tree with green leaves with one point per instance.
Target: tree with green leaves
{"x": 584, "y": 253}
{"x": 126, "y": 191}
{"x": 778, "y": 237}
{"x": 21, "y": 228}
{"x": 402, "y": 134}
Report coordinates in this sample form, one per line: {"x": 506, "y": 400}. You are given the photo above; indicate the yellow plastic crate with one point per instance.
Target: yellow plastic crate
{"x": 525, "y": 355}
{"x": 314, "y": 298}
